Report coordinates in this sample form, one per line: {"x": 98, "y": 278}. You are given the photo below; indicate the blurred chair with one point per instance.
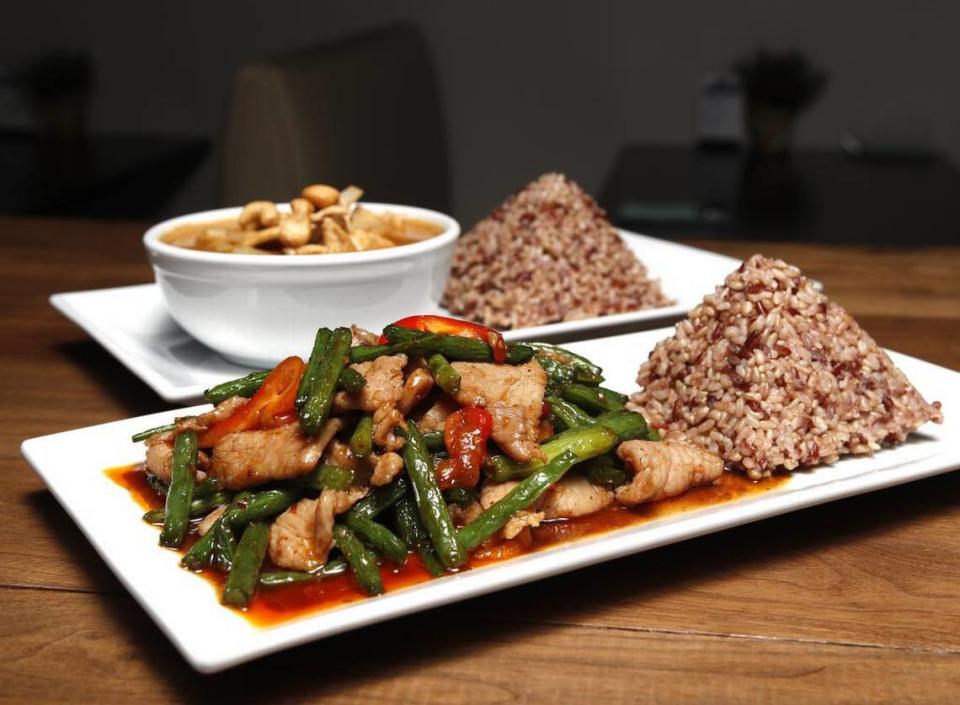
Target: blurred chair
{"x": 364, "y": 111}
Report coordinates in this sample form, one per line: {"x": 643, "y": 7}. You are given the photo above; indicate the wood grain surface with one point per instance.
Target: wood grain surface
{"x": 856, "y": 601}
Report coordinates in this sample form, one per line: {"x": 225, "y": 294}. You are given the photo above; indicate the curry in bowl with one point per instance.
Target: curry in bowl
{"x": 322, "y": 220}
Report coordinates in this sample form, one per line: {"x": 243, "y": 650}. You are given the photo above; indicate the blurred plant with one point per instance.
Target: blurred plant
{"x": 777, "y": 87}
{"x": 57, "y": 88}
{"x": 786, "y": 81}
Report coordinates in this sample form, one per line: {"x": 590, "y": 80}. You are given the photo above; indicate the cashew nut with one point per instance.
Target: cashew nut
{"x": 321, "y": 195}
{"x": 258, "y": 214}
{"x": 295, "y": 230}
{"x": 301, "y": 206}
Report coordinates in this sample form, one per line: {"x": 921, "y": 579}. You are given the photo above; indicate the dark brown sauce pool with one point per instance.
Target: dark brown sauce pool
{"x": 282, "y": 604}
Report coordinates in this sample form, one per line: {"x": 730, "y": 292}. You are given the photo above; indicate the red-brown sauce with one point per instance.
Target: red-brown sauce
{"x": 281, "y": 604}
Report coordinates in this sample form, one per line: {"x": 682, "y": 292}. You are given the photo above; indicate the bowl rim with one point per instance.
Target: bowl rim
{"x": 154, "y": 246}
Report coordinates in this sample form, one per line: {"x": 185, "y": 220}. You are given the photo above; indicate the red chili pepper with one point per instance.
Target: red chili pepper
{"x": 465, "y": 434}
{"x": 271, "y": 406}
{"x": 443, "y": 325}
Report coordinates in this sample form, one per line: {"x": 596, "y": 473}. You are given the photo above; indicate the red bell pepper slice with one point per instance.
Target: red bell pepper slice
{"x": 272, "y": 405}
{"x": 442, "y": 325}
{"x": 465, "y": 434}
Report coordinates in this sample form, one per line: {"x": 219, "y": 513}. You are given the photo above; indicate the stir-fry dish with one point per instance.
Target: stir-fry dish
{"x": 321, "y": 220}
{"x": 433, "y": 439}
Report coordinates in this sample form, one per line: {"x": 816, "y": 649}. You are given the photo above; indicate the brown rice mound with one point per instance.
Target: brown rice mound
{"x": 546, "y": 254}
{"x": 769, "y": 373}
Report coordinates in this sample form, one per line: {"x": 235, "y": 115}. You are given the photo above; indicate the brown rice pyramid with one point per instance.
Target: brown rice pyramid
{"x": 769, "y": 373}
{"x": 546, "y": 254}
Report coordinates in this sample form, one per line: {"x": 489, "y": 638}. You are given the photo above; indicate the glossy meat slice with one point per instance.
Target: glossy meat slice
{"x": 493, "y": 492}
{"x": 251, "y": 458}
{"x": 201, "y": 422}
{"x": 514, "y": 396}
{"x": 159, "y": 461}
{"x": 384, "y": 385}
{"x": 293, "y": 541}
{"x": 434, "y": 417}
{"x": 218, "y": 413}
{"x": 301, "y": 537}
{"x": 416, "y": 387}
{"x": 386, "y": 419}
{"x": 159, "y": 458}
{"x": 665, "y": 469}
{"x": 385, "y": 468}
{"x": 575, "y": 496}
{"x": 329, "y": 504}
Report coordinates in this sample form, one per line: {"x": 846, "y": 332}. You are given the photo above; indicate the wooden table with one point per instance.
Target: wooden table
{"x": 850, "y": 602}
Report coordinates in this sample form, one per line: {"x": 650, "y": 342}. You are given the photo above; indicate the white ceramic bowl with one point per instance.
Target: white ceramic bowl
{"x": 258, "y": 309}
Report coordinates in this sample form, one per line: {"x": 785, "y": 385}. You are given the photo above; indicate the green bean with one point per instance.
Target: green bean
{"x": 379, "y": 538}
{"x": 447, "y": 378}
{"x": 198, "y": 507}
{"x": 380, "y": 499}
{"x": 242, "y": 579}
{"x": 321, "y": 340}
{"x": 561, "y": 374}
{"x": 362, "y": 561}
{"x": 361, "y": 441}
{"x": 327, "y": 476}
{"x": 278, "y": 578}
{"x": 457, "y": 347}
{"x": 317, "y": 407}
{"x": 201, "y": 554}
{"x": 365, "y": 353}
{"x": 570, "y": 415}
{"x": 452, "y": 347}
{"x": 262, "y": 505}
{"x": 518, "y": 353}
{"x": 461, "y": 496}
{"x": 595, "y": 399}
{"x": 492, "y": 519}
{"x": 399, "y": 334}
{"x": 433, "y": 510}
{"x": 570, "y": 358}
{"x": 585, "y": 376}
{"x": 434, "y": 440}
{"x": 144, "y": 435}
{"x": 500, "y": 468}
{"x": 557, "y": 373}
{"x": 412, "y": 531}
{"x": 243, "y": 387}
{"x": 209, "y": 486}
{"x": 351, "y": 380}
{"x": 605, "y": 471}
{"x": 628, "y": 425}
{"x": 224, "y": 546}
{"x": 583, "y": 441}
{"x": 180, "y": 493}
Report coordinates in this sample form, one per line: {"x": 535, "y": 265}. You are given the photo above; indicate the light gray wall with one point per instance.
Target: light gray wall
{"x": 528, "y": 86}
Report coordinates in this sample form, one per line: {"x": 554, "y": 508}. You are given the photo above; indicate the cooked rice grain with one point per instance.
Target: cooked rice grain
{"x": 546, "y": 254}
{"x": 769, "y": 373}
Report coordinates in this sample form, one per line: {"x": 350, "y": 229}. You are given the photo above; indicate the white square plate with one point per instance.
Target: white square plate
{"x": 188, "y": 611}
{"x": 133, "y": 324}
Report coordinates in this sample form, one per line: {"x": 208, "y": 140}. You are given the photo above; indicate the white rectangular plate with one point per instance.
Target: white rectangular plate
{"x": 133, "y": 324}
{"x": 187, "y": 609}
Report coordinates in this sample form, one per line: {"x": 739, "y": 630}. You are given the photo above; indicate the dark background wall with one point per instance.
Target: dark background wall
{"x": 527, "y": 86}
